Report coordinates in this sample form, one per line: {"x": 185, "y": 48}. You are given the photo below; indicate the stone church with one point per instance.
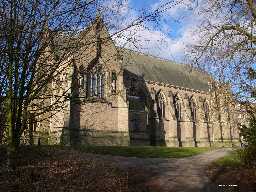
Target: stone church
{"x": 123, "y": 97}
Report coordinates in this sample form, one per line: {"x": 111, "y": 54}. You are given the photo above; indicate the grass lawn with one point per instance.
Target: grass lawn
{"x": 146, "y": 151}
{"x": 230, "y": 160}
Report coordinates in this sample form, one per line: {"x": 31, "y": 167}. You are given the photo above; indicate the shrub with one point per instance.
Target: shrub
{"x": 248, "y": 133}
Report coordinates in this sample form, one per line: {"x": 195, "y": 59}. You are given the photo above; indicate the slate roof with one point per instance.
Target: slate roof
{"x": 159, "y": 70}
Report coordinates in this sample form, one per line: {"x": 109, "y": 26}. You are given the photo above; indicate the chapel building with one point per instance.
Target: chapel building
{"x": 123, "y": 97}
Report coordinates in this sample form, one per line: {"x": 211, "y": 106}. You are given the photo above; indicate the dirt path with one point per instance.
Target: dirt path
{"x": 167, "y": 175}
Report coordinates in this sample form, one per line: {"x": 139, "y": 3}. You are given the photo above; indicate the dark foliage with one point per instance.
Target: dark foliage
{"x": 248, "y": 132}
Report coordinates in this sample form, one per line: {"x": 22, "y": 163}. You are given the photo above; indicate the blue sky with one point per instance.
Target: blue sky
{"x": 173, "y": 35}
{"x": 170, "y": 37}
{"x": 178, "y": 29}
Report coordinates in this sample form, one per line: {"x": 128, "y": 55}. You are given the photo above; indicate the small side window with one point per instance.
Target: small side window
{"x": 80, "y": 80}
{"x": 113, "y": 82}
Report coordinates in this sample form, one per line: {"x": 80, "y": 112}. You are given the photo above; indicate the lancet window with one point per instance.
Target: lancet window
{"x": 161, "y": 105}
{"x": 192, "y": 109}
{"x": 113, "y": 82}
{"x": 177, "y": 107}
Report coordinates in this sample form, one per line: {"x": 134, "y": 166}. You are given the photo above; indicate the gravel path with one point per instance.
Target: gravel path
{"x": 171, "y": 174}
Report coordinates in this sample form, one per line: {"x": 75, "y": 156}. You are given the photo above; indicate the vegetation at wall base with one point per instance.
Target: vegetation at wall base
{"x": 233, "y": 170}
{"x": 231, "y": 160}
{"x": 146, "y": 151}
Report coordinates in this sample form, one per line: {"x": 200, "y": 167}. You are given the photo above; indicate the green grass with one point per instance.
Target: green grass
{"x": 146, "y": 151}
{"x": 230, "y": 160}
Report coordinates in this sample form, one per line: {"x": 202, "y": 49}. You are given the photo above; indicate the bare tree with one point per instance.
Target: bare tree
{"x": 227, "y": 51}
{"x": 31, "y": 58}
{"x": 38, "y": 40}
{"x": 227, "y": 48}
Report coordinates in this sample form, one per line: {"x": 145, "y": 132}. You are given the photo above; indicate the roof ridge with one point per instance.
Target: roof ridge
{"x": 170, "y": 72}
{"x": 166, "y": 60}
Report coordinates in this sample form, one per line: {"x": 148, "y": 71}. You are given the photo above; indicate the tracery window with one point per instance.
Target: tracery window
{"x": 177, "y": 107}
{"x": 94, "y": 84}
{"x": 161, "y": 105}
{"x": 193, "y": 110}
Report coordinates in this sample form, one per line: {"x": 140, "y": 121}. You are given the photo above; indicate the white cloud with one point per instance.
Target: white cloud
{"x": 120, "y": 7}
{"x": 150, "y": 41}
{"x": 174, "y": 8}
{"x": 157, "y": 41}
{"x": 117, "y": 14}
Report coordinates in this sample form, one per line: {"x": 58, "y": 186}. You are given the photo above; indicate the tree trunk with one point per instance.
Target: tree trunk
{"x": 13, "y": 140}
{"x": 30, "y": 129}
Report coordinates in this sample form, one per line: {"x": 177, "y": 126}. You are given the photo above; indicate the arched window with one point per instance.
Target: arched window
{"x": 94, "y": 84}
{"x": 88, "y": 85}
{"x": 132, "y": 89}
{"x": 100, "y": 85}
{"x": 192, "y": 106}
{"x": 113, "y": 82}
{"x": 81, "y": 80}
{"x": 161, "y": 104}
{"x": 206, "y": 111}
{"x": 177, "y": 107}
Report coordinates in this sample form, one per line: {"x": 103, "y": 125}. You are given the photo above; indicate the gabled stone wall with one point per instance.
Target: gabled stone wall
{"x": 132, "y": 110}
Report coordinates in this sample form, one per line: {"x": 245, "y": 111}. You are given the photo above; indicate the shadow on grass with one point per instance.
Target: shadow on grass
{"x": 145, "y": 152}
